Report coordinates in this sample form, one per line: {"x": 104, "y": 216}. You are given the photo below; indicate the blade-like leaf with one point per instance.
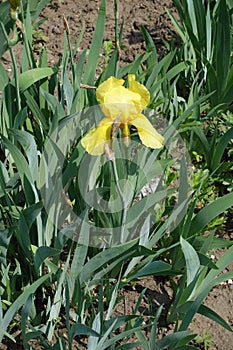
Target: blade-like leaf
{"x": 82, "y": 329}
{"x": 94, "y": 53}
{"x": 20, "y": 161}
{"x": 19, "y": 302}
{"x": 42, "y": 253}
{"x": 220, "y": 148}
{"x": 191, "y": 259}
{"x": 30, "y": 77}
{"x": 29, "y": 145}
{"x": 154, "y": 268}
{"x": 211, "y": 211}
{"x": 206, "y": 311}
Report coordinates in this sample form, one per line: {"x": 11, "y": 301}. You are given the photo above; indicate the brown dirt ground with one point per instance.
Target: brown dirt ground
{"x": 152, "y": 14}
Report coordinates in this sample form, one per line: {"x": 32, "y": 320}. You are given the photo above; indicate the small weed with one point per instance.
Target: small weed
{"x": 204, "y": 341}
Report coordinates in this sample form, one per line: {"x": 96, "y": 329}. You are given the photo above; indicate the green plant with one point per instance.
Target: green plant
{"x": 204, "y": 339}
{"x": 206, "y": 34}
{"x": 15, "y": 21}
{"x": 54, "y": 270}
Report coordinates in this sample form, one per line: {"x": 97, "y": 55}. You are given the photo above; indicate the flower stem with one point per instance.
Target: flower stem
{"x": 15, "y": 70}
{"x": 117, "y": 41}
{"x": 120, "y": 194}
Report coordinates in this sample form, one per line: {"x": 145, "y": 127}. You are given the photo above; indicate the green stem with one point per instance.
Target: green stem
{"x": 27, "y": 41}
{"x": 16, "y": 78}
{"x": 15, "y": 70}
{"x": 116, "y": 23}
{"x": 71, "y": 57}
{"x": 117, "y": 43}
{"x": 123, "y": 215}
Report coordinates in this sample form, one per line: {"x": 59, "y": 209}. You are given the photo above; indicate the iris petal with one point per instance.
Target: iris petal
{"x": 121, "y": 102}
{"x": 140, "y": 89}
{"x": 148, "y": 135}
{"x": 107, "y": 86}
{"x": 94, "y": 141}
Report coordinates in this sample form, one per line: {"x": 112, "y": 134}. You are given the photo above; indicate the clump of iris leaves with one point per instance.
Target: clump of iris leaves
{"x": 58, "y": 293}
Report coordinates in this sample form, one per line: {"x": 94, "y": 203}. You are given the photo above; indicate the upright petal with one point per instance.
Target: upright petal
{"x": 106, "y": 87}
{"x": 139, "y": 89}
{"x": 121, "y": 102}
{"x": 148, "y": 135}
{"x": 94, "y": 141}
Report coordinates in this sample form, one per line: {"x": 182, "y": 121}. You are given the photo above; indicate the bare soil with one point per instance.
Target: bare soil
{"x": 151, "y": 14}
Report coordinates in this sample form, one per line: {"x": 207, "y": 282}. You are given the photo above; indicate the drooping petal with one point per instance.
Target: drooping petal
{"x": 106, "y": 87}
{"x": 147, "y": 133}
{"x": 94, "y": 142}
{"x": 140, "y": 89}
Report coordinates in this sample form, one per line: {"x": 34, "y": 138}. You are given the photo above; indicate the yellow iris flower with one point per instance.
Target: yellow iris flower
{"x": 124, "y": 105}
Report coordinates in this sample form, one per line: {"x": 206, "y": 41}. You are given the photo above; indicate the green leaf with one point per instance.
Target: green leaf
{"x": 79, "y": 69}
{"x": 29, "y": 214}
{"x": 220, "y": 148}
{"x": 54, "y": 104}
{"x": 223, "y": 45}
{"x": 42, "y": 253}
{"x": 133, "y": 67}
{"x": 68, "y": 91}
{"x": 37, "y": 113}
{"x": 171, "y": 339}
{"x": 210, "y": 212}
{"x": 191, "y": 259}
{"x": 150, "y": 48}
{"x": 99, "y": 261}
{"x": 204, "y": 143}
{"x": 212, "y": 279}
{"x": 177, "y": 26}
{"x": 77, "y": 264}
{"x": 82, "y": 329}
{"x": 207, "y": 312}
{"x": 57, "y": 302}
{"x": 26, "y": 310}
{"x": 5, "y": 237}
{"x": 110, "y": 341}
{"x": 129, "y": 254}
{"x": 6, "y": 22}
{"x": 142, "y": 206}
{"x": 111, "y": 68}
{"x": 174, "y": 71}
{"x": 36, "y": 7}
{"x": 94, "y": 54}
{"x": 205, "y": 261}
{"x": 29, "y": 145}
{"x": 26, "y": 219}
{"x": 19, "y": 302}
{"x": 155, "y": 268}
{"x": 22, "y": 165}
{"x": 4, "y": 77}
{"x": 96, "y": 326}
{"x": 28, "y": 78}
{"x": 200, "y": 18}
{"x": 216, "y": 243}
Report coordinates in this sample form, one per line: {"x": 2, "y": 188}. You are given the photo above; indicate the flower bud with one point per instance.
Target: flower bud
{"x": 14, "y": 4}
